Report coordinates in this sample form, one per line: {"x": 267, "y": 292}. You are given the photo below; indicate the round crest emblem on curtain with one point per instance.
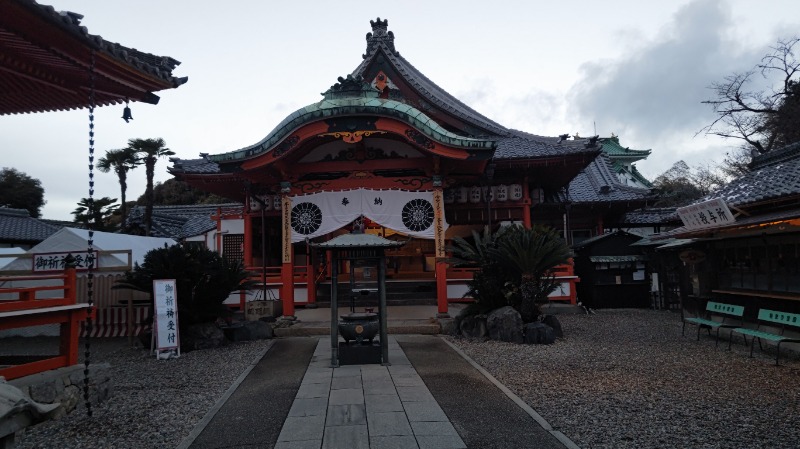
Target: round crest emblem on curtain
{"x": 306, "y": 218}
{"x": 418, "y": 215}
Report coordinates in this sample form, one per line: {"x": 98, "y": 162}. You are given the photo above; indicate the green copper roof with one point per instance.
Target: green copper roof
{"x": 343, "y": 101}
{"x": 614, "y": 150}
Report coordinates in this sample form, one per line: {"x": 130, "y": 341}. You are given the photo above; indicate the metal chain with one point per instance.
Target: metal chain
{"x": 90, "y": 242}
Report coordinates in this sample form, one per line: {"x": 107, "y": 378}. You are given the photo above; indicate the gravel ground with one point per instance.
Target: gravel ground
{"x": 627, "y": 379}
{"x": 153, "y": 404}
{"x": 619, "y": 379}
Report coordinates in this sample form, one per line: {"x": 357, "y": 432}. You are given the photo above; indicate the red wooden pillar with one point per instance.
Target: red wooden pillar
{"x": 526, "y": 204}
{"x": 248, "y": 240}
{"x": 287, "y": 272}
{"x": 311, "y": 275}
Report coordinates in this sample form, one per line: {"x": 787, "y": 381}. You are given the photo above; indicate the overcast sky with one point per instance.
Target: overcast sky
{"x": 639, "y": 69}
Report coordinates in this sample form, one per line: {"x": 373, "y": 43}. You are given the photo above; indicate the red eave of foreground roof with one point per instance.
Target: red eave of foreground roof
{"x": 45, "y": 60}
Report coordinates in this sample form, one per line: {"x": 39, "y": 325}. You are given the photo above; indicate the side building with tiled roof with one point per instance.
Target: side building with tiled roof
{"x": 753, "y": 258}
{"x": 19, "y": 230}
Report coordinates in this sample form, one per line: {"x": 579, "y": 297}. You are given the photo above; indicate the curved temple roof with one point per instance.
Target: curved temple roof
{"x": 343, "y": 101}
{"x": 348, "y": 99}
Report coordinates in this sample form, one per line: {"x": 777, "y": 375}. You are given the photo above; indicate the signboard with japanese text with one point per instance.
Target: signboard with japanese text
{"x": 166, "y": 315}
{"x": 708, "y": 214}
{"x": 49, "y": 262}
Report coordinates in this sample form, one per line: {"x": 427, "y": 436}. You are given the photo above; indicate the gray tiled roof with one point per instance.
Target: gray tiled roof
{"x": 194, "y": 166}
{"x": 181, "y": 221}
{"x": 598, "y": 184}
{"x": 773, "y": 175}
{"x": 158, "y": 66}
{"x": 665, "y": 215}
{"x": 381, "y": 42}
{"x": 16, "y": 225}
{"x": 520, "y": 145}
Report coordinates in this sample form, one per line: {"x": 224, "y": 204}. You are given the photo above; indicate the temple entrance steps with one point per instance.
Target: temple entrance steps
{"x": 398, "y": 293}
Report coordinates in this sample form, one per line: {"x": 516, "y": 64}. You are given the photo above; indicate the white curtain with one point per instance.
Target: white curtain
{"x": 317, "y": 214}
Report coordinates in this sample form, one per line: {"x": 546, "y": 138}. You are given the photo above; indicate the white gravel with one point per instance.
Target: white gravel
{"x": 627, "y": 379}
{"x": 153, "y": 404}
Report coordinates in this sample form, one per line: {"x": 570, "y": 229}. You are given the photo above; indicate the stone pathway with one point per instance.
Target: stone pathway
{"x": 365, "y": 406}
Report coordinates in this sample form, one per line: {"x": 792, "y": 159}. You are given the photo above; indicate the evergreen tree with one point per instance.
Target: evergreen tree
{"x": 20, "y": 191}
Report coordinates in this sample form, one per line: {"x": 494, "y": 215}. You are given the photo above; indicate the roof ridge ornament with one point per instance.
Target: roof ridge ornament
{"x": 380, "y": 34}
{"x": 352, "y": 86}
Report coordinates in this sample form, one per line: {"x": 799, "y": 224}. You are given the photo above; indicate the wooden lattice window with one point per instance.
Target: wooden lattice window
{"x": 233, "y": 247}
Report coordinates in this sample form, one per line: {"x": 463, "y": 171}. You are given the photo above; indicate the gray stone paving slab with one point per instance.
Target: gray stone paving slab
{"x": 374, "y": 371}
{"x": 346, "y": 437}
{"x": 340, "y": 383}
{"x": 420, "y": 393}
{"x": 389, "y": 423}
{"x": 346, "y": 415}
{"x": 380, "y": 403}
{"x": 309, "y": 407}
{"x": 313, "y": 390}
{"x": 306, "y": 444}
{"x": 318, "y": 375}
{"x": 424, "y": 411}
{"x": 379, "y": 387}
{"x": 346, "y": 396}
{"x": 347, "y": 370}
{"x": 440, "y": 442}
{"x": 298, "y": 428}
{"x": 433, "y": 428}
{"x": 393, "y": 442}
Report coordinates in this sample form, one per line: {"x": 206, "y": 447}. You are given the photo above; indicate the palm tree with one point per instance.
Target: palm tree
{"x": 121, "y": 161}
{"x": 149, "y": 150}
{"x": 529, "y": 255}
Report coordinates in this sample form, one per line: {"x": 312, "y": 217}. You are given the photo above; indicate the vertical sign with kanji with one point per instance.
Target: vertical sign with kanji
{"x": 166, "y": 315}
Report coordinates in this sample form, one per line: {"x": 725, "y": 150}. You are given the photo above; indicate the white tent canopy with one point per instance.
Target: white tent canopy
{"x": 74, "y": 241}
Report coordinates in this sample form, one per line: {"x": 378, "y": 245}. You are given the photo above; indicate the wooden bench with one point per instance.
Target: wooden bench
{"x": 770, "y": 318}
{"x": 727, "y": 313}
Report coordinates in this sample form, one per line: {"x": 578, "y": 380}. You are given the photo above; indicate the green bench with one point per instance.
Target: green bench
{"x": 771, "y": 318}
{"x": 726, "y": 312}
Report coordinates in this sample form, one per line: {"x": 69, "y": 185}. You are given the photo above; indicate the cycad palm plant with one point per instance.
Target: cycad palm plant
{"x": 529, "y": 256}
{"x": 488, "y": 282}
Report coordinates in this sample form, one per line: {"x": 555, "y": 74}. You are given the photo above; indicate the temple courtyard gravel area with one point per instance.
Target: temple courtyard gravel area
{"x": 618, "y": 379}
{"x": 628, "y": 379}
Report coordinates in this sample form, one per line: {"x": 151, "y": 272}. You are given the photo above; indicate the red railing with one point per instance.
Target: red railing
{"x": 21, "y": 307}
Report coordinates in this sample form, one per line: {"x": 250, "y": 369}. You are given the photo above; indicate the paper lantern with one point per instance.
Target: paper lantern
{"x": 475, "y": 194}
{"x": 501, "y": 193}
{"x": 515, "y": 192}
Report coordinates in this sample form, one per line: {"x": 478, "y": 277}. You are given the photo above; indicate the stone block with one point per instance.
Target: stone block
{"x": 505, "y": 324}
{"x": 539, "y": 333}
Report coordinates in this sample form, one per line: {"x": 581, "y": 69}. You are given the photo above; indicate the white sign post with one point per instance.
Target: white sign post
{"x": 708, "y": 214}
{"x": 165, "y": 321}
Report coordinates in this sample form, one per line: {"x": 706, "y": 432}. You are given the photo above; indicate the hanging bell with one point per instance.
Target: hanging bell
{"x": 126, "y": 114}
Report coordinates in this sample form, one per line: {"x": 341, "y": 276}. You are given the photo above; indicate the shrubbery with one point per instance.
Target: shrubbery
{"x": 204, "y": 279}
